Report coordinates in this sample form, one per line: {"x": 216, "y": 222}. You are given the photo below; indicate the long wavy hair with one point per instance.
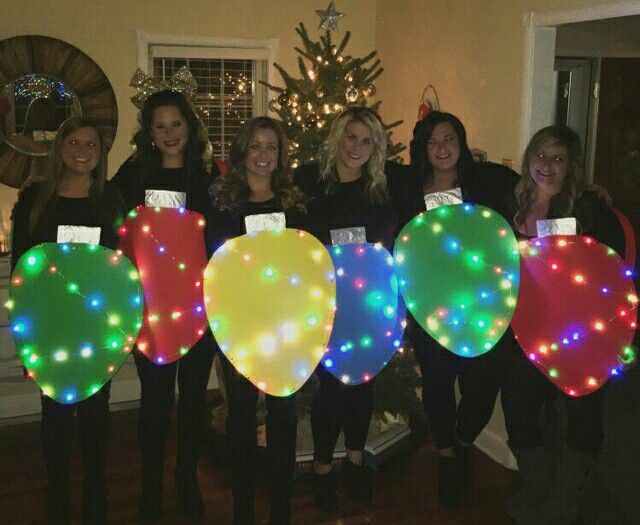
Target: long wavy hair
{"x": 47, "y": 192}
{"x": 421, "y": 135}
{"x": 147, "y": 157}
{"x": 374, "y": 177}
{"x": 562, "y": 204}
{"x": 232, "y": 189}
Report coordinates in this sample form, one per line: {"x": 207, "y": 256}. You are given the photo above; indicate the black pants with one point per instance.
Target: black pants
{"x": 526, "y": 391}
{"x": 156, "y": 401}
{"x": 339, "y": 407}
{"x": 281, "y": 423}
{"x": 478, "y": 379}
{"x": 57, "y": 431}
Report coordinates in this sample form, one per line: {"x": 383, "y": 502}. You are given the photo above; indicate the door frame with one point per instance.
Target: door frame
{"x": 539, "y": 57}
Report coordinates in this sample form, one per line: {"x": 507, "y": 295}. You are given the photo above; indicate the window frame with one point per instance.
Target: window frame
{"x": 209, "y": 47}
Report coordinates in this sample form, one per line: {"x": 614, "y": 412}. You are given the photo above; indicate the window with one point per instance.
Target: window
{"x": 228, "y": 73}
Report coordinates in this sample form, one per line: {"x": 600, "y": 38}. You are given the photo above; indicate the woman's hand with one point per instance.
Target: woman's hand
{"x": 600, "y": 192}
{"x": 479, "y": 155}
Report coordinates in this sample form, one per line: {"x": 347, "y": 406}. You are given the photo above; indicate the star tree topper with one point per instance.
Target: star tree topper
{"x": 329, "y": 17}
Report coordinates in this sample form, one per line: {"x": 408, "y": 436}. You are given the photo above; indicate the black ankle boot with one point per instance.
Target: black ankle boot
{"x": 448, "y": 483}
{"x": 464, "y": 468}
{"x": 359, "y": 481}
{"x": 94, "y": 506}
{"x": 189, "y": 496}
{"x": 326, "y": 492}
{"x": 150, "y": 504}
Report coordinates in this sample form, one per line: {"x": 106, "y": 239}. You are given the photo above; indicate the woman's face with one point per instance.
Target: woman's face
{"x": 549, "y": 167}
{"x": 355, "y": 146}
{"x": 81, "y": 151}
{"x": 443, "y": 147}
{"x": 169, "y": 131}
{"x": 263, "y": 153}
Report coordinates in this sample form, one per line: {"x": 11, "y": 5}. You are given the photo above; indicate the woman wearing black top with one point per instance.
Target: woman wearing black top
{"x": 170, "y": 147}
{"x": 258, "y": 182}
{"x": 73, "y": 192}
{"x": 552, "y": 186}
{"x": 347, "y": 188}
{"x": 441, "y": 161}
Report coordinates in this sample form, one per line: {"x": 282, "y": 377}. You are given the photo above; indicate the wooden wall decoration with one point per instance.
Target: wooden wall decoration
{"x": 32, "y": 60}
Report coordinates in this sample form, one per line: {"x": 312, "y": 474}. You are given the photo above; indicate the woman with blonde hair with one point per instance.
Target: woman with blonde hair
{"x": 258, "y": 182}
{"x": 73, "y": 192}
{"x": 553, "y": 187}
{"x": 347, "y": 188}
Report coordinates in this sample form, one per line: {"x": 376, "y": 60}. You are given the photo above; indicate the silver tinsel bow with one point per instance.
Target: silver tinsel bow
{"x": 181, "y": 81}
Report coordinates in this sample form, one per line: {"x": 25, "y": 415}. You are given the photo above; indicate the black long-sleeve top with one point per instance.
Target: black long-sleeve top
{"x": 196, "y": 186}
{"x": 349, "y": 206}
{"x": 224, "y": 224}
{"x": 129, "y": 181}
{"x": 595, "y": 219}
{"x": 485, "y": 183}
{"x": 64, "y": 211}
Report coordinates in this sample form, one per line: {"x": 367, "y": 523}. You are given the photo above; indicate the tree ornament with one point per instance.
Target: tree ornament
{"x": 351, "y": 94}
{"x": 428, "y": 102}
{"x": 329, "y": 17}
{"x": 75, "y": 312}
{"x": 274, "y": 105}
{"x": 283, "y": 98}
{"x": 370, "y": 90}
{"x": 311, "y": 119}
{"x": 459, "y": 270}
{"x": 577, "y": 311}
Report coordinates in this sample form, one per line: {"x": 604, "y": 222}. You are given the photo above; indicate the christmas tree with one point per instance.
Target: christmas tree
{"x": 330, "y": 80}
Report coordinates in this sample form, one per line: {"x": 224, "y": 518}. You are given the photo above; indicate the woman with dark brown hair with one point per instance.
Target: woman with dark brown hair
{"x": 442, "y": 164}
{"x": 258, "y": 182}
{"x": 169, "y": 163}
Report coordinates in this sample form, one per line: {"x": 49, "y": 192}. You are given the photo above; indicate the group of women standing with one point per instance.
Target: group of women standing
{"x": 351, "y": 185}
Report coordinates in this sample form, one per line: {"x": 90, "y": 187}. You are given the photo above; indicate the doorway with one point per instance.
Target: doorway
{"x": 582, "y": 68}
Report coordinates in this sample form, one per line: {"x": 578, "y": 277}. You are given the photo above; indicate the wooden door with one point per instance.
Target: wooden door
{"x": 617, "y": 152}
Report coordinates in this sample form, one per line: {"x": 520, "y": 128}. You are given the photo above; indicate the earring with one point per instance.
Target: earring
{"x": 153, "y": 145}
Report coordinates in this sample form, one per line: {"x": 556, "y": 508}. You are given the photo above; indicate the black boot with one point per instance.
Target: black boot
{"x": 94, "y": 505}
{"x": 359, "y": 481}
{"x": 464, "y": 467}
{"x": 58, "y": 507}
{"x": 279, "y": 510}
{"x": 326, "y": 492}
{"x": 534, "y": 468}
{"x": 448, "y": 482}
{"x": 189, "y": 496}
{"x": 150, "y": 505}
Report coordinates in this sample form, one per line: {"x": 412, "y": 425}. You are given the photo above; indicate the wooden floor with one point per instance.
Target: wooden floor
{"x": 404, "y": 487}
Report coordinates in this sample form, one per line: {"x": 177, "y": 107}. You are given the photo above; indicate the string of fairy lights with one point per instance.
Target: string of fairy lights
{"x": 473, "y": 325}
{"x": 163, "y": 252}
{"x": 625, "y": 312}
{"x": 38, "y": 267}
{"x": 456, "y": 300}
